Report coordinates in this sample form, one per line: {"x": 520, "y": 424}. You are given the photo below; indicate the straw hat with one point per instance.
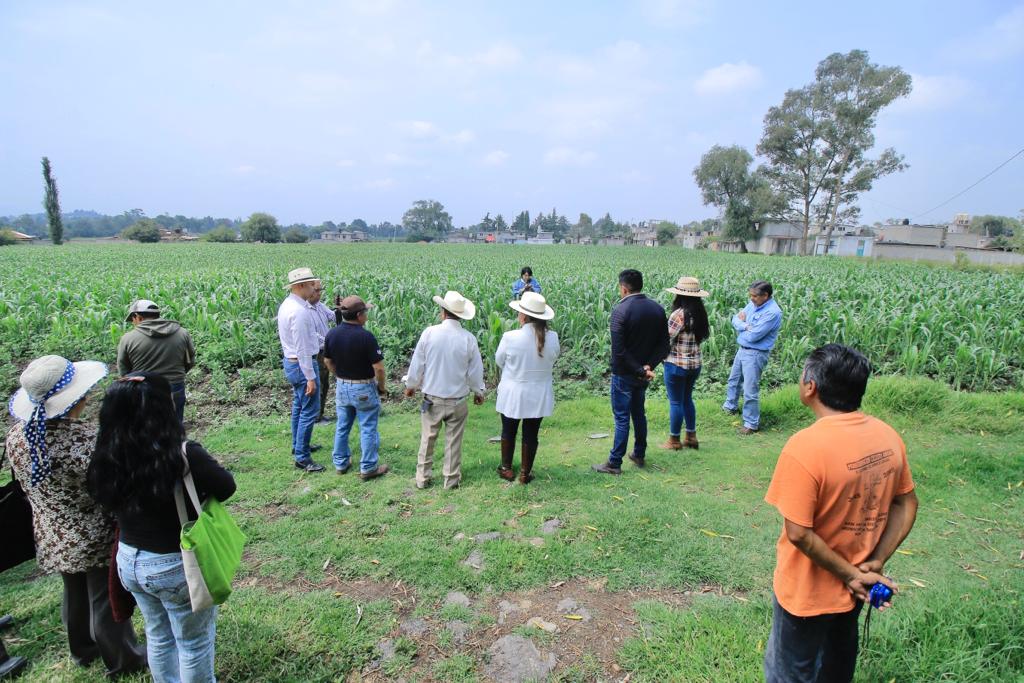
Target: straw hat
{"x": 533, "y": 305}
{"x": 300, "y": 275}
{"x": 56, "y": 381}
{"x": 457, "y": 305}
{"x": 688, "y": 286}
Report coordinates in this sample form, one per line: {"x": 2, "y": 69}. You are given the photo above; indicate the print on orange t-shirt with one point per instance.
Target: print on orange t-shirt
{"x": 837, "y": 477}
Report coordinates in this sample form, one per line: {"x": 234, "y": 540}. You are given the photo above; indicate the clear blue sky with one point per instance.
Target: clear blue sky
{"x": 337, "y": 110}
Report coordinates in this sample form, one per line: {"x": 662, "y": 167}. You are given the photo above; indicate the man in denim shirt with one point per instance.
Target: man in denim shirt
{"x": 757, "y": 327}
{"x": 639, "y": 331}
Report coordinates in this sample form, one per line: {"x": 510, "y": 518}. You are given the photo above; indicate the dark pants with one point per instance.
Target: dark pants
{"x": 628, "y": 403}
{"x": 679, "y": 387}
{"x": 531, "y": 426}
{"x": 178, "y": 394}
{"x": 92, "y": 631}
{"x": 821, "y": 649}
{"x": 325, "y": 383}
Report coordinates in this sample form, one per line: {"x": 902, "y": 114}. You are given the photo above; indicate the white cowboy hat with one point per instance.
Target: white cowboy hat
{"x": 533, "y": 305}
{"x": 688, "y": 286}
{"x": 457, "y": 305}
{"x": 43, "y": 375}
{"x": 300, "y": 275}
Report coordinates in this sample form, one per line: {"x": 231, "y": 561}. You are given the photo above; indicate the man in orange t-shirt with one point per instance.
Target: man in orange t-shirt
{"x": 844, "y": 489}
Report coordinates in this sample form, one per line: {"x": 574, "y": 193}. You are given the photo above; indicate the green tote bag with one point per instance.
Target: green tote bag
{"x": 211, "y": 546}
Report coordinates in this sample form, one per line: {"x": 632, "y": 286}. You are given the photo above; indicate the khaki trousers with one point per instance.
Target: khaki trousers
{"x": 452, "y": 413}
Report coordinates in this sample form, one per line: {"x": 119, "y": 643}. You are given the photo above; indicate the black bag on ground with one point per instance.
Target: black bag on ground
{"x": 16, "y": 521}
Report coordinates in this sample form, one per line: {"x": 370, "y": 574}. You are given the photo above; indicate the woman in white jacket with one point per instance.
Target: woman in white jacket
{"x": 525, "y": 393}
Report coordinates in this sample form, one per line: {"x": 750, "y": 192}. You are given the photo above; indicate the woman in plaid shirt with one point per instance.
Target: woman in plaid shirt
{"x": 687, "y": 329}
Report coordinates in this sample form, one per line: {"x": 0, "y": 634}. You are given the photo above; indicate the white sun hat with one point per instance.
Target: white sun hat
{"x": 533, "y": 305}
{"x": 688, "y": 286}
{"x": 457, "y": 305}
{"x": 300, "y": 275}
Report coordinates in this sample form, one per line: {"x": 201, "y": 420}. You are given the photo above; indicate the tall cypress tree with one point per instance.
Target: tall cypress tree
{"x": 52, "y": 204}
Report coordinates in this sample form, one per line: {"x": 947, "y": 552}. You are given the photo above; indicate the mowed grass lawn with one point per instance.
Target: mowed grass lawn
{"x": 334, "y": 565}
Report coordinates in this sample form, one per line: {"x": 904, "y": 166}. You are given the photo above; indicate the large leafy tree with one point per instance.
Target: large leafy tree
{"x": 726, "y": 181}
{"x": 261, "y": 227}
{"x": 816, "y": 141}
{"x": 427, "y": 218}
{"x": 522, "y": 222}
{"x": 146, "y": 230}
{"x": 51, "y": 202}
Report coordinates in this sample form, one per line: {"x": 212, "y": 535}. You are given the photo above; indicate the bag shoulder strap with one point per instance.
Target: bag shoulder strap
{"x": 190, "y": 486}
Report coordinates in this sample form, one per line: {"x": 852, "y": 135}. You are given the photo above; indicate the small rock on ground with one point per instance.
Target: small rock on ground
{"x": 551, "y": 526}
{"x": 489, "y": 536}
{"x": 456, "y": 598}
{"x": 475, "y": 561}
{"x": 515, "y": 659}
{"x": 460, "y": 631}
{"x": 386, "y": 648}
{"x": 546, "y": 626}
{"x": 459, "y": 537}
{"x": 414, "y": 627}
{"x": 570, "y": 606}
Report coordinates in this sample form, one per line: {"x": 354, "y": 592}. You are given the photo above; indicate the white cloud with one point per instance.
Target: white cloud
{"x": 1002, "y": 39}
{"x": 567, "y": 156}
{"x": 419, "y": 129}
{"x": 379, "y": 184}
{"x": 395, "y": 159}
{"x": 499, "y": 56}
{"x": 462, "y": 137}
{"x": 728, "y": 78}
{"x": 931, "y": 93}
{"x": 427, "y": 131}
{"x": 674, "y": 13}
{"x": 496, "y": 158}
{"x": 345, "y": 163}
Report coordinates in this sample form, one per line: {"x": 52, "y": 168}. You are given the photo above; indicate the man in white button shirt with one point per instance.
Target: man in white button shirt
{"x": 446, "y": 366}
{"x": 299, "y": 347}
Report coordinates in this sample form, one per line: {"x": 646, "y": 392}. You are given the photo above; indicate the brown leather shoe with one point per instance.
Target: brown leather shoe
{"x": 639, "y": 462}
{"x": 374, "y": 473}
{"x": 691, "y": 441}
{"x": 673, "y": 444}
{"x": 746, "y": 431}
{"x": 605, "y": 468}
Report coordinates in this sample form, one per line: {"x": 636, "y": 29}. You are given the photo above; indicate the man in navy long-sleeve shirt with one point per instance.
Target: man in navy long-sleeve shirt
{"x": 639, "y": 331}
{"x": 757, "y": 327}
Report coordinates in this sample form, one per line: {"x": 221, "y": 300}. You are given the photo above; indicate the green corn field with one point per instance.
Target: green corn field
{"x": 963, "y": 327}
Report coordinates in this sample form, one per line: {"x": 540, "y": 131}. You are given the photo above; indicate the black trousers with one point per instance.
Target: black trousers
{"x": 531, "y": 426}
{"x": 92, "y": 631}
{"x": 821, "y": 649}
{"x": 325, "y": 381}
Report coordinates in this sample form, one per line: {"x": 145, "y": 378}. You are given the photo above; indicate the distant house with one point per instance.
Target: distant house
{"x": 645, "y": 238}
{"x": 176, "y": 235}
{"x": 343, "y": 236}
{"x": 611, "y": 241}
{"x": 510, "y": 238}
{"x": 458, "y": 237}
{"x": 772, "y": 238}
{"x": 920, "y": 235}
{"x": 844, "y": 244}
{"x": 542, "y": 238}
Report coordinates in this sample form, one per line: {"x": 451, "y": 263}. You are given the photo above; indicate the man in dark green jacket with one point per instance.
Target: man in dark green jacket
{"x": 159, "y": 346}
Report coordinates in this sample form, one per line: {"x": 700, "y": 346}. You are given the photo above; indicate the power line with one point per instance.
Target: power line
{"x": 970, "y": 187}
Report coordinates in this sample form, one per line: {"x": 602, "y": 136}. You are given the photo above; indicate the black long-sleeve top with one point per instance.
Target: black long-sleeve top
{"x": 157, "y": 528}
{"x": 639, "y": 331}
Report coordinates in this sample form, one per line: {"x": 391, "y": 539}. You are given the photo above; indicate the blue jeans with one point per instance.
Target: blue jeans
{"x": 179, "y": 642}
{"x": 746, "y": 370}
{"x": 811, "y": 649}
{"x": 679, "y": 386}
{"x": 178, "y": 394}
{"x": 628, "y": 403}
{"x": 305, "y": 409}
{"x": 363, "y": 402}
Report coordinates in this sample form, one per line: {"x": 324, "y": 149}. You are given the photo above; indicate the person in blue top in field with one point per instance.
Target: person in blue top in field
{"x": 525, "y": 283}
{"x": 757, "y": 327}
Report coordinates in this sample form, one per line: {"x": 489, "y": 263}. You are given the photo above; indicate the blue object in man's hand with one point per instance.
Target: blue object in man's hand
{"x": 880, "y": 594}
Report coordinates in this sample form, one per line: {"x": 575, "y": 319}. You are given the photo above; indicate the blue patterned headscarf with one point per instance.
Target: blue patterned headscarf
{"x": 35, "y": 429}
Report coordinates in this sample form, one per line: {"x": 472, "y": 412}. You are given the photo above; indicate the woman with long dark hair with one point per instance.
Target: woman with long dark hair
{"x": 687, "y": 329}
{"x": 526, "y": 392}
{"x": 140, "y": 457}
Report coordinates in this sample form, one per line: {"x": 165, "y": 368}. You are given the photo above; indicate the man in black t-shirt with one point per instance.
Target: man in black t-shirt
{"x": 352, "y": 353}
